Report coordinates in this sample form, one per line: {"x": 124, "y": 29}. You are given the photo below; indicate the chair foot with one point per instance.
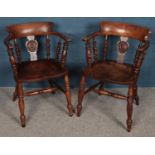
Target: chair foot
{"x": 14, "y": 98}
{"x": 70, "y": 114}
{"x": 70, "y": 110}
{"x": 78, "y": 114}
{"x": 79, "y": 108}
{"x": 23, "y": 121}
{"x": 23, "y": 125}
{"x": 129, "y": 125}
{"x": 53, "y": 92}
{"x": 137, "y": 100}
{"x": 15, "y": 95}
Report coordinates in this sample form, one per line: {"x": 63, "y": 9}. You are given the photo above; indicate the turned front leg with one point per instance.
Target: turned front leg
{"x": 68, "y": 95}
{"x": 81, "y": 95}
{"x": 130, "y": 107}
{"x": 21, "y": 104}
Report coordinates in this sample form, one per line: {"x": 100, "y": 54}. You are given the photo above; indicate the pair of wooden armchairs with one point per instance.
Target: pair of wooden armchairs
{"x": 24, "y": 37}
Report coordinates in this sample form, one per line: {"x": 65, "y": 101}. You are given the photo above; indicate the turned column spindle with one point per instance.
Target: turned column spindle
{"x": 64, "y": 54}
{"x": 95, "y": 50}
{"x": 58, "y": 49}
{"x": 105, "y": 48}
{"x": 140, "y": 53}
{"x": 48, "y": 47}
{"x": 88, "y": 53}
{"x": 18, "y": 52}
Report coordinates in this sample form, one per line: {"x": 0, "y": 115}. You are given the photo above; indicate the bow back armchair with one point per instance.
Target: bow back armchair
{"x": 44, "y": 64}
{"x": 115, "y": 71}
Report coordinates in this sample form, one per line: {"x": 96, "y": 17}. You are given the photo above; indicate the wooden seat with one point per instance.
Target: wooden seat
{"x": 111, "y": 71}
{"x": 48, "y": 67}
{"x": 116, "y": 71}
{"x": 39, "y": 70}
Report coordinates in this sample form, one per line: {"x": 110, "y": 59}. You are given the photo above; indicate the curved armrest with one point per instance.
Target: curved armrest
{"x": 139, "y": 57}
{"x": 87, "y": 38}
{"x": 66, "y": 39}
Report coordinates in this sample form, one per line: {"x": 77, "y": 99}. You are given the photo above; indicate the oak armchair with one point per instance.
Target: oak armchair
{"x": 112, "y": 71}
{"x": 49, "y": 65}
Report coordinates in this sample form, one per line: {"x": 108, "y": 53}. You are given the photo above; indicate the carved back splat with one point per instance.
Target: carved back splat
{"x": 122, "y": 48}
{"x": 32, "y": 47}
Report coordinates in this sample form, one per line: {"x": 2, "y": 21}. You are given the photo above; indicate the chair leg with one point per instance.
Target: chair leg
{"x": 52, "y": 85}
{"x": 130, "y": 107}
{"x": 81, "y": 95}
{"x": 68, "y": 95}
{"x": 21, "y": 104}
{"x": 15, "y": 94}
{"x": 136, "y": 95}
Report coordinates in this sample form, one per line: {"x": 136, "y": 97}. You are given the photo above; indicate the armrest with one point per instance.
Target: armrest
{"x": 66, "y": 39}
{"x": 139, "y": 57}
{"x": 89, "y": 37}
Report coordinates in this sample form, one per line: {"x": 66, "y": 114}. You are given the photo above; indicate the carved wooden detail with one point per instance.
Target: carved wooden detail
{"x": 111, "y": 71}
{"x": 32, "y": 47}
{"x": 122, "y": 49}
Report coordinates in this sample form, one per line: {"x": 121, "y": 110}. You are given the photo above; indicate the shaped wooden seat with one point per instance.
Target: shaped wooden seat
{"x": 106, "y": 70}
{"x": 37, "y": 68}
{"x": 32, "y": 71}
{"x": 111, "y": 71}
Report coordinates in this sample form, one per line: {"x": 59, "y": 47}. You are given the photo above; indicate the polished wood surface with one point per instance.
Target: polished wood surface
{"x": 110, "y": 71}
{"x": 123, "y": 29}
{"x": 46, "y": 68}
{"x": 27, "y": 29}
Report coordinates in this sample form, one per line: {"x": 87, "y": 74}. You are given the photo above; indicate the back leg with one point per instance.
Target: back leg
{"x": 15, "y": 94}
{"x": 21, "y": 104}
{"x": 136, "y": 95}
{"x": 68, "y": 95}
{"x": 81, "y": 95}
{"x": 52, "y": 85}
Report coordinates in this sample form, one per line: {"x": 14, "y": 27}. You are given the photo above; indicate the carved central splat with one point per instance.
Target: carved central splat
{"x": 122, "y": 48}
{"x": 32, "y": 47}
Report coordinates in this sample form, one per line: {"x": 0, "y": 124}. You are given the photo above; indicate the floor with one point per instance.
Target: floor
{"x": 102, "y": 116}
